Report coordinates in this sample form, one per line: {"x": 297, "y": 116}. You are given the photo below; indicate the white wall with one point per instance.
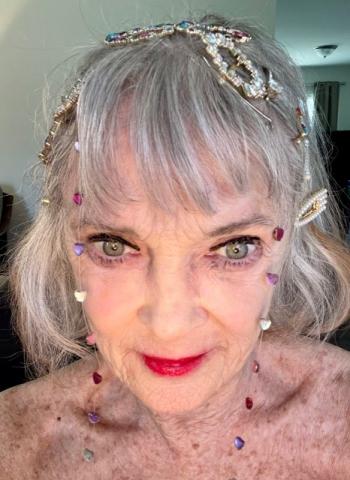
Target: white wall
{"x": 339, "y": 73}
{"x": 36, "y": 36}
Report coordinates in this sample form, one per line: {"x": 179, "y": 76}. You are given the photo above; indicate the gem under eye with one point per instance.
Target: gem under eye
{"x": 236, "y": 251}
{"x": 113, "y": 248}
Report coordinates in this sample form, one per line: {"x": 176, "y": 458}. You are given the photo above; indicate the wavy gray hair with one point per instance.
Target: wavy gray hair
{"x": 176, "y": 107}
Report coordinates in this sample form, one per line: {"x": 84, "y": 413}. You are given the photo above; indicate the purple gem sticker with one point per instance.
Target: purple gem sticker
{"x": 93, "y": 417}
{"x": 239, "y": 443}
{"x": 78, "y": 248}
{"x": 272, "y": 278}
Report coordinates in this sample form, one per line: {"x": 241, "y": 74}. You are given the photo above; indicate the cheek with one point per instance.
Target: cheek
{"x": 110, "y": 297}
{"x": 236, "y": 300}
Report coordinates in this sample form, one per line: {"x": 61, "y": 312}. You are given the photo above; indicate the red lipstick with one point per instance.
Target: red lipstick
{"x": 166, "y": 366}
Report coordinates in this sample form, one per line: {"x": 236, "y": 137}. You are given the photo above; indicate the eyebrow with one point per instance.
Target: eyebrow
{"x": 233, "y": 227}
{"x": 230, "y": 228}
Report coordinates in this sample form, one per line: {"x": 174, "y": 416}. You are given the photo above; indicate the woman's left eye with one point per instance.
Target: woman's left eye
{"x": 237, "y": 252}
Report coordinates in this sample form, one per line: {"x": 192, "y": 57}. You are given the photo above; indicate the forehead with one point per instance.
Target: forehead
{"x": 140, "y": 214}
{"x": 127, "y": 202}
{"x": 220, "y": 191}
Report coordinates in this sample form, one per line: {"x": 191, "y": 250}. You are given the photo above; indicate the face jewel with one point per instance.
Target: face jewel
{"x": 249, "y": 403}
{"x": 265, "y": 324}
{"x": 256, "y": 366}
{"x": 90, "y": 339}
{"x": 278, "y": 233}
{"x": 272, "y": 278}
{"x": 78, "y": 248}
{"x": 78, "y": 198}
{"x": 88, "y": 454}
{"x": 239, "y": 443}
{"x": 80, "y": 296}
{"x": 97, "y": 378}
{"x": 93, "y": 417}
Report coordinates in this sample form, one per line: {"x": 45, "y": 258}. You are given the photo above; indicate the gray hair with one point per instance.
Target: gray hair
{"x": 176, "y": 109}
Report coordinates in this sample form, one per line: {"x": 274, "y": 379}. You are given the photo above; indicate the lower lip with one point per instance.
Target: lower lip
{"x": 173, "y": 369}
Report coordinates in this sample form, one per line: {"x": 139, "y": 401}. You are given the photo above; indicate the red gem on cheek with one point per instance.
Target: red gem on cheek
{"x": 96, "y": 377}
{"x": 249, "y": 403}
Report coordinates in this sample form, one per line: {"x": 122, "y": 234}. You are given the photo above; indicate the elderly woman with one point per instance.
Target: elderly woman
{"x": 187, "y": 254}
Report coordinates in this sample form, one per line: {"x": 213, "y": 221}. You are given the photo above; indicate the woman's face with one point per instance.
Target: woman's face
{"x": 176, "y": 286}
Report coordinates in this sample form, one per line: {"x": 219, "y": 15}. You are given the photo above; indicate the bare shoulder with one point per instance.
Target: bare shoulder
{"x": 322, "y": 404}
{"x": 332, "y": 402}
{"x": 30, "y": 415}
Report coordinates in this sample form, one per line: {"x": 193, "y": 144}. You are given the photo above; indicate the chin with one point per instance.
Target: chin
{"x": 166, "y": 394}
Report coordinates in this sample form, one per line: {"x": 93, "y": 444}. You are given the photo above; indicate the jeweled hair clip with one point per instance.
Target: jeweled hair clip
{"x": 216, "y": 38}
{"x": 315, "y": 202}
{"x": 248, "y": 79}
{"x": 312, "y": 206}
{"x": 62, "y": 113}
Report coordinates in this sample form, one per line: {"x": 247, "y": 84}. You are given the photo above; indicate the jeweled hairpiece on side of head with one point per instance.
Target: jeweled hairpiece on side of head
{"x": 61, "y": 115}
{"x": 315, "y": 202}
{"x": 312, "y": 206}
{"x": 303, "y": 139}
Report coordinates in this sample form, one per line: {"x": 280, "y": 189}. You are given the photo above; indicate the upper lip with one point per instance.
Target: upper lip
{"x": 176, "y": 359}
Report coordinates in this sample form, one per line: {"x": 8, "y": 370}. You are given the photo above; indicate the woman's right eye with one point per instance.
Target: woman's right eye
{"x": 108, "y": 250}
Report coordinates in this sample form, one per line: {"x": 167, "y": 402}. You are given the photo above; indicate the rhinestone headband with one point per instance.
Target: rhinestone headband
{"x": 248, "y": 79}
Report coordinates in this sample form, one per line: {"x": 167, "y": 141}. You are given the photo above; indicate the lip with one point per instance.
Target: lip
{"x": 173, "y": 367}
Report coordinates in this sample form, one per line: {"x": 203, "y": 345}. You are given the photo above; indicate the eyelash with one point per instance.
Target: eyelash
{"x": 216, "y": 261}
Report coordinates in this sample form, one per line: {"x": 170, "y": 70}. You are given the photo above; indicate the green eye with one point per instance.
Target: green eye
{"x": 237, "y": 250}
{"x": 113, "y": 248}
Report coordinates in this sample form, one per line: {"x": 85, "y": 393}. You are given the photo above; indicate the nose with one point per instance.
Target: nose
{"x": 171, "y": 308}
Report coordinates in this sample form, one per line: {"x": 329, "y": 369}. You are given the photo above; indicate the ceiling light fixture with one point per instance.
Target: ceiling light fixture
{"x": 325, "y": 50}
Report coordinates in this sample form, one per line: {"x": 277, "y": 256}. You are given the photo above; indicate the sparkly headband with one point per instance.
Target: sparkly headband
{"x": 251, "y": 81}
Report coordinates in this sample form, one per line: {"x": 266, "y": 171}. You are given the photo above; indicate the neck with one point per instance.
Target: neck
{"x": 194, "y": 434}
{"x": 218, "y": 421}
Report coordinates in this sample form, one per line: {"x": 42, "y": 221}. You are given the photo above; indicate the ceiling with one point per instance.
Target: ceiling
{"x": 302, "y": 25}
